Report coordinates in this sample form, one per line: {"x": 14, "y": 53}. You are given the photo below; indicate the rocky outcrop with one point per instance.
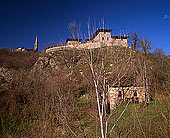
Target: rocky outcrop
{"x": 5, "y": 77}
{"x": 41, "y": 63}
{"x": 45, "y": 67}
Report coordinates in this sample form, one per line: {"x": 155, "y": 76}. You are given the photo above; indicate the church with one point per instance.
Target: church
{"x": 22, "y": 49}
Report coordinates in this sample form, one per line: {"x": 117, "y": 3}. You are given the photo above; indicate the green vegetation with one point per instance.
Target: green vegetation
{"x": 64, "y": 105}
{"x": 151, "y": 121}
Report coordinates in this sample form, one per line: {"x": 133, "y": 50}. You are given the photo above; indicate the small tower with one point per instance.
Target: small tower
{"x": 36, "y": 44}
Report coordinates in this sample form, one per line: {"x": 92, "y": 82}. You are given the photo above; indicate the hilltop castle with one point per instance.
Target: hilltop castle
{"x": 102, "y": 37}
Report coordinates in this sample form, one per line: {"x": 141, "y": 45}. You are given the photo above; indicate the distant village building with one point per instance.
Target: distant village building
{"x": 22, "y": 49}
{"x": 132, "y": 94}
{"x": 102, "y": 37}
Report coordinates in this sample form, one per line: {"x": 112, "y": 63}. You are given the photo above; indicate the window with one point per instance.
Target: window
{"x": 102, "y": 38}
{"x": 119, "y": 94}
{"x": 107, "y": 38}
{"x": 135, "y": 93}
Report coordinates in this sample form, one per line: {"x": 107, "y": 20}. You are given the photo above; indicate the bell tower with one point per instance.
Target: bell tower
{"x": 36, "y": 44}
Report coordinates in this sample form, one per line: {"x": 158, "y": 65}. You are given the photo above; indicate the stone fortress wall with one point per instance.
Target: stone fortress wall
{"x": 102, "y": 37}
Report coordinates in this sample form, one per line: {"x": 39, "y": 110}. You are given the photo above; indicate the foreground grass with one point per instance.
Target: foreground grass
{"x": 137, "y": 120}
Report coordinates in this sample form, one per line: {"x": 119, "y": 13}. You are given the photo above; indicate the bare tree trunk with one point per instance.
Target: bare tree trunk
{"x": 146, "y": 84}
{"x": 98, "y": 101}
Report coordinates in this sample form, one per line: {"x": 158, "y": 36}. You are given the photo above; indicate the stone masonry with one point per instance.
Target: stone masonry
{"x": 132, "y": 94}
{"x": 102, "y": 37}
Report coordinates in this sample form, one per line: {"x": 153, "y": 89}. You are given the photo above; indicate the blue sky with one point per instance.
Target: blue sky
{"x": 22, "y": 20}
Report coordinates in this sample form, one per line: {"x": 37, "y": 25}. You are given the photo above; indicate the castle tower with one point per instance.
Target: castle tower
{"x": 36, "y": 44}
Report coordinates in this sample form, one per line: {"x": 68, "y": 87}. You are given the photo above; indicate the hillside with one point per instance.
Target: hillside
{"x": 54, "y": 94}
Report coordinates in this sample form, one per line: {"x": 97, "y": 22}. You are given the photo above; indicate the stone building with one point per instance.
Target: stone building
{"x": 132, "y": 94}
{"x": 22, "y": 49}
{"x": 102, "y": 37}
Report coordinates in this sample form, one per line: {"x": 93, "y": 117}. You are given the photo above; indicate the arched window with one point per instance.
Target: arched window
{"x": 135, "y": 93}
{"x": 119, "y": 93}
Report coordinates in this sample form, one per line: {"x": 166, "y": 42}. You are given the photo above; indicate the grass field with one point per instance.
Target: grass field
{"x": 137, "y": 120}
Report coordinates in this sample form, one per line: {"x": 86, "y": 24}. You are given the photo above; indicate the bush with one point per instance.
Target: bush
{"x": 17, "y": 60}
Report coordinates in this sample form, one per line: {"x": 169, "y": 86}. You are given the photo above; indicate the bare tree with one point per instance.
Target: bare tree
{"x": 110, "y": 66}
{"x": 134, "y": 40}
{"x": 72, "y": 28}
{"x": 103, "y": 75}
{"x": 145, "y": 45}
{"x": 159, "y": 51}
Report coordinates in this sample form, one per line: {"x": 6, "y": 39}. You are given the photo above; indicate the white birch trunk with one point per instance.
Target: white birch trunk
{"x": 146, "y": 85}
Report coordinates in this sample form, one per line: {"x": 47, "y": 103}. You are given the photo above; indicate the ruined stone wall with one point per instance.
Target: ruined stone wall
{"x": 127, "y": 93}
